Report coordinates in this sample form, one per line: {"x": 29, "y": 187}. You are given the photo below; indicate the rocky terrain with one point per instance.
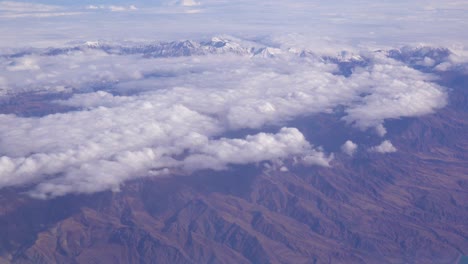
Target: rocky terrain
{"x": 410, "y": 206}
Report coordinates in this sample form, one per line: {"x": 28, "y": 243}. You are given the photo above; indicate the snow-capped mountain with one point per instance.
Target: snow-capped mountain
{"x": 418, "y": 57}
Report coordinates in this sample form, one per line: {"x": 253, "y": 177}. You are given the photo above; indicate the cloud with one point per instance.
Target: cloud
{"x": 385, "y": 147}
{"x": 10, "y": 9}
{"x": 317, "y": 158}
{"x": 22, "y": 7}
{"x": 288, "y": 142}
{"x": 39, "y": 15}
{"x": 3, "y": 86}
{"x": 99, "y": 148}
{"x": 408, "y": 22}
{"x": 380, "y": 130}
{"x": 135, "y": 115}
{"x": 188, "y": 3}
{"x": 112, "y": 8}
{"x": 101, "y": 164}
{"x": 24, "y": 64}
{"x": 349, "y": 148}
{"x": 399, "y": 91}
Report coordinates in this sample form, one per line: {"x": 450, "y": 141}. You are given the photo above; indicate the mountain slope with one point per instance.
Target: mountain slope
{"x": 404, "y": 207}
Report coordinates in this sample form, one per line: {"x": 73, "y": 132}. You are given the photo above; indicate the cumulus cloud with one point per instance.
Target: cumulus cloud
{"x": 380, "y": 130}
{"x": 400, "y": 91}
{"x": 349, "y": 148}
{"x": 151, "y": 115}
{"x": 385, "y": 147}
{"x": 317, "y": 158}
{"x": 288, "y": 142}
{"x": 98, "y": 162}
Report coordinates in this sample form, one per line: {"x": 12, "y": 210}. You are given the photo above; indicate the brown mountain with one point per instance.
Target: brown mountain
{"x": 410, "y": 206}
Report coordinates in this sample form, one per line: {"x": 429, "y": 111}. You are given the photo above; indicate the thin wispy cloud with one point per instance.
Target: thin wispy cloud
{"x": 369, "y": 22}
{"x": 9, "y": 9}
{"x": 22, "y": 7}
{"x": 113, "y": 8}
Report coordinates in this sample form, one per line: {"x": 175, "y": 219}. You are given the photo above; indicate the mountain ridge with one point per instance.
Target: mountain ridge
{"x": 409, "y": 206}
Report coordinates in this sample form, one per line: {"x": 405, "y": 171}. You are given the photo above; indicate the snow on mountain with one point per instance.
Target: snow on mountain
{"x": 417, "y": 57}
{"x": 268, "y": 52}
{"x": 422, "y": 58}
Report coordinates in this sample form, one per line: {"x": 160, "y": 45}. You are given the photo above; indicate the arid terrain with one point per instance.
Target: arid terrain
{"x": 410, "y": 206}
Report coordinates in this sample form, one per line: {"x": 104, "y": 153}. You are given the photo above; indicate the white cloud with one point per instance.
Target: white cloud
{"x": 349, "y": 147}
{"x": 287, "y": 143}
{"x": 317, "y": 158}
{"x": 98, "y": 149}
{"x": 22, "y": 7}
{"x": 112, "y": 8}
{"x": 189, "y": 3}
{"x": 92, "y": 7}
{"x": 385, "y": 147}
{"x": 10, "y": 9}
{"x": 399, "y": 91}
{"x": 381, "y": 130}
{"x": 24, "y": 64}
{"x": 117, "y": 8}
{"x": 106, "y": 161}
{"x": 39, "y": 15}
{"x": 341, "y": 21}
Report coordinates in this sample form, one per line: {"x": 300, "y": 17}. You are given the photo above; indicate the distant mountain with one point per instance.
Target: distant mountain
{"x": 216, "y": 45}
{"x": 423, "y": 58}
{"x": 416, "y": 56}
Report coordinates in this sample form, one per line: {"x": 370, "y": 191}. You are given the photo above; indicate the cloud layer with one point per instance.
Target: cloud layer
{"x": 138, "y": 116}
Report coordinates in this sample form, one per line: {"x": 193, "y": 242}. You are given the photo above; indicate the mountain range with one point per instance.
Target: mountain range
{"x": 409, "y": 206}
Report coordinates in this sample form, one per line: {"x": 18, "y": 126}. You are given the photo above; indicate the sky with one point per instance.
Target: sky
{"x": 362, "y": 22}
{"x": 258, "y": 66}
